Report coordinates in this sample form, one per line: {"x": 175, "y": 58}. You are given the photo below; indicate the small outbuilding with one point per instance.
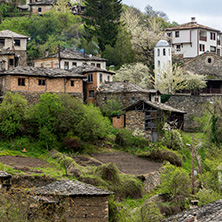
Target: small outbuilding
{"x": 5, "y": 180}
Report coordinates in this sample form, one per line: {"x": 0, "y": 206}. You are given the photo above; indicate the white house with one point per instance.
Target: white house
{"x": 162, "y": 57}
{"x": 192, "y": 39}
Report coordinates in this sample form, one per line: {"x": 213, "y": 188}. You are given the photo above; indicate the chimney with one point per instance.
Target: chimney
{"x": 125, "y": 85}
{"x": 193, "y": 19}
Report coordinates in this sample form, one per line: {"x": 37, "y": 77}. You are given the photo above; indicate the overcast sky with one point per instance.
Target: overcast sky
{"x": 207, "y": 12}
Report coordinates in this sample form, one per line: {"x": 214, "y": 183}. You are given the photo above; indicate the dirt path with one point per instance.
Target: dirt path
{"x": 127, "y": 163}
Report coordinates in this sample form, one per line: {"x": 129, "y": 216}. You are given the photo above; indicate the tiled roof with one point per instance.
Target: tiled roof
{"x": 118, "y": 87}
{"x": 9, "y": 34}
{"x": 191, "y": 25}
{"x": 88, "y": 68}
{"x": 159, "y": 106}
{"x": 208, "y": 213}
{"x": 76, "y": 55}
{"x": 39, "y": 71}
{"x": 70, "y": 188}
{"x": 4, "y": 175}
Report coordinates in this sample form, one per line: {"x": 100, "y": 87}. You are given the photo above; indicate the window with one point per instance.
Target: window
{"x": 21, "y": 82}
{"x": 133, "y": 99}
{"x": 159, "y": 63}
{"x": 209, "y": 60}
{"x": 11, "y": 62}
{"x": 91, "y": 93}
{"x": 213, "y": 49}
{"x": 93, "y": 64}
{"x": 156, "y": 99}
{"x": 178, "y": 48}
{"x": 213, "y": 36}
{"x": 202, "y": 48}
{"x": 164, "y": 52}
{"x": 101, "y": 77}
{"x": 74, "y": 64}
{"x": 90, "y": 77}
{"x": 169, "y": 52}
{"x": 39, "y": 9}
{"x": 108, "y": 78}
{"x": 177, "y": 34}
{"x": 66, "y": 65}
{"x": 158, "y": 52}
{"x": 72, "y": 83}
{"x": 98, "y": 65}
{"x": 17, "y": 42}
{"x": 41, "y": 82}
{"x": 2, "y": 42}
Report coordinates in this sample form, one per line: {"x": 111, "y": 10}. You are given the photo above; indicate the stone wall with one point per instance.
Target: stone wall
{"x": 151, "y": 180}
{"x": 118, "y": 121}
{"x": 193, "y": 105}
{"x": 127, "y": 98}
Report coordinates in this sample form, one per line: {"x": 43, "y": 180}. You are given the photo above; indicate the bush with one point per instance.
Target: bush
{"x": 73, "y": 143}
{"x": 173, "y": 140}
{"x": 206, "y": 196}
{"x": 175, "y": 182}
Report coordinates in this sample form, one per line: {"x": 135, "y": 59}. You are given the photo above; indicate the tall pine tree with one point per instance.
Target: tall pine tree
{"x": 102, "y": 20}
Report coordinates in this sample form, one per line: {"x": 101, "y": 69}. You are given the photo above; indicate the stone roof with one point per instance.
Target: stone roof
{"x": 89, "y": 68}
{"x": 75, "y": 55}
{"x": 10, "y": 34}
{"x": 200, "y": 65}
{"x": 44, "y": 2}
{"x": 4, "y": 175}
{"x": 43, "y": 72}
{"x": 208, "y": 213}
{"x": 191, "y": 25}
{"x": 159, "y": 106}
{"x": 125, "y": 86}
{"x": 70, "y": 188}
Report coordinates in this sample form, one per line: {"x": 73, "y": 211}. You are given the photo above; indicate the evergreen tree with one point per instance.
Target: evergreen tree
{"x": 102, "y": 20}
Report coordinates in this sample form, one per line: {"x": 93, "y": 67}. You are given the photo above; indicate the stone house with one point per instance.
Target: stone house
{"x": 32, "y": 82}
{"x": 68, "y": 59}
{"x": 127, "y": 93}
{"x": 150, "y": 117}
{"x": 80, "y": 202}
{"x": 38, "y": 7}
{"x": 12, "y": 49}
{"x": 210, "y": 65}
{"x": 5, "y": 180}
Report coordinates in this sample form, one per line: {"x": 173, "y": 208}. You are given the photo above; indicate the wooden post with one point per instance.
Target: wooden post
{"x": 193, "y": 150}
{"x": 59, "y": 56}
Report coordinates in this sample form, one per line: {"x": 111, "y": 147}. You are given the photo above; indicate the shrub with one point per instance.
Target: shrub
{"x": 12, "y": 111}
{"x": 73, "y": 143}
{"x": 206, "y": 196}
{"x": 173, "y": 140}
{"x": 175, "y": 182}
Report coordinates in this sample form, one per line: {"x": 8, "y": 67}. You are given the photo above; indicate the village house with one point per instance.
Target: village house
{"x": 72, "y": 200}
{"x": 68, "y": 59}
{"x": 38, "y": 7}
{"x": 12, "y": 49}
{"x": 5, "y": 181}
{"x": 33, "y": 81}
{"x": 150, "y": 117}
{"x": 126, "y": 92}
{"x": 192, "y": 39}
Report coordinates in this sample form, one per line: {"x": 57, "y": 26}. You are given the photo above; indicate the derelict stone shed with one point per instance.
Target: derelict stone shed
{"x": 79, "y": 202}
{"x": 150, "y": 117}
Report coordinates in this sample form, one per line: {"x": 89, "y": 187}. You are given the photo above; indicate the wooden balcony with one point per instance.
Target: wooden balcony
{"x": 203, "y": 38}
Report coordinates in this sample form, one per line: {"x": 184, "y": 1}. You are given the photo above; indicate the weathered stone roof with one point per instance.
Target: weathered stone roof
{"x": 75, "y": 55}
{"x": 201, "y": 65}
{"x": 159, "y": 106}
{"x": 191, "y": 25}
{"x": 70, "y": 188}
{"x": 10, "y": 34}
{"x": 208, "y": 213}
{"x": 44, "y": 2}
{"x": 43, "y": 72}
{"x": 89, "y": 68}
{"x": 119, "y": 87}
{"x": 4, "y": 175}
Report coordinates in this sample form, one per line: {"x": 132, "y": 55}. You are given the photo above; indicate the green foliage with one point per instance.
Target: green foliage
{"x": 165, "y": 98}
{"x": 175, "y": 182}
{"x": 206, "y": 196}
{"x": 172, "y": 139}
{"x": 12, "y": 111}
{"x": 116, "y": 211}
{"x": 112, "y": 107}
{"x": 102, "y": 20}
